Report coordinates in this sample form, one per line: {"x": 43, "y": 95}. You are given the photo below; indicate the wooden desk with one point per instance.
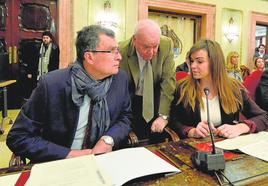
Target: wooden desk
{"x": 3, "y": 88}
{"x": 241, "y": 169}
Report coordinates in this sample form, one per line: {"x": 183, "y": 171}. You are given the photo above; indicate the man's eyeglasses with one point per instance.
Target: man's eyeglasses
{"x": 112, "y": 51}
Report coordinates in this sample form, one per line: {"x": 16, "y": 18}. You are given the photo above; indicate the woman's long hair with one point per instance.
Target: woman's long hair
{"x": 229, "y": 89}
{"x": 229, "y": 66}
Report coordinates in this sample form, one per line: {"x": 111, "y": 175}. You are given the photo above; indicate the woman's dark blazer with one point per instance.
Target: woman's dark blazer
{"x": 182, "y": 119}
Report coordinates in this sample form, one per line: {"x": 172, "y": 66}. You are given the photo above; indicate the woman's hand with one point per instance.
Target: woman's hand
{"x": 232, "y": 131}
{"x": 201, "y": 130}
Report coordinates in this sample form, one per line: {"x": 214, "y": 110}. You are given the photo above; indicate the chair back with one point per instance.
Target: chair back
{"x": 180, "y": 75}
{"x": 251, "y": 82}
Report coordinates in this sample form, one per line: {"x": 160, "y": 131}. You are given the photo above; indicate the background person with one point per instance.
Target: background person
{"x": 261, "y": 53}
{"x": 251, "y": 82}
{"x": 44, "y": 58}
{"x": 232, "y": 66}
{"x": 185, "y": 65}
{"x": 259, "y": 64}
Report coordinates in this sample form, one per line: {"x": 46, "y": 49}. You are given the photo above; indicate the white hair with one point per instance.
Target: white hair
{"x": 147, "y": 24}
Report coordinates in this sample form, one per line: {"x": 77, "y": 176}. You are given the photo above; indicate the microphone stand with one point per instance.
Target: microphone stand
{"x": 209, "y": 161}
{"x": 206, "y": 90}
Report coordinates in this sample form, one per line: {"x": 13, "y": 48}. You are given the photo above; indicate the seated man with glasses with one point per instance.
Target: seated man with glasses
{"x": 83, "y": 109}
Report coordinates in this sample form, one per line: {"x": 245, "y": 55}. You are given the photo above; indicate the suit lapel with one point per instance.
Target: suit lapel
{"x": 72, "y": 112}
{"x": 155, "y": 66}
{"x": 133, "y": 64}
{"x": 134, "y": 68}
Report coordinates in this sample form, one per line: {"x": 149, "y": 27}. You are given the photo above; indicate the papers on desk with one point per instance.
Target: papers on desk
{"x": 75, "y": 171}
{"x": 127, "y": 164}
{"x": 114, "y": 168}
{"x": 9, "y": 180}
{"x": 252, "y": 144}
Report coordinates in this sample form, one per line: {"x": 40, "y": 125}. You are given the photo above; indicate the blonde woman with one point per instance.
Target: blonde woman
{"x": 233, "y": 68}
{"x": 227, "y": 98}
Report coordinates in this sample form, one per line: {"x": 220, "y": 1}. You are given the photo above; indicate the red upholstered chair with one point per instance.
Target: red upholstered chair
{"x": 251, "y": 82}
{"x": 180, "y": 75}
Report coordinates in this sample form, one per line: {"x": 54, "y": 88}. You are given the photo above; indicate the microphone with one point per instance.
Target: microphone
{"x": 209, "y": 161}
{"x": 206, "y": 91}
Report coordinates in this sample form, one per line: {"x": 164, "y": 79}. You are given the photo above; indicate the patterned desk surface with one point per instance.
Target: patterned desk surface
{"x": 241, "y": 169}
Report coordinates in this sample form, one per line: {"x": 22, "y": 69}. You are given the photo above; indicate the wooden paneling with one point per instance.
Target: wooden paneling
{"x": 207, "y": 12}
{"x": 255, "y": 18}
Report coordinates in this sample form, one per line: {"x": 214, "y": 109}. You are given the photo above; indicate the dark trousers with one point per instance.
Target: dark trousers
{"x": 141, "y": 128}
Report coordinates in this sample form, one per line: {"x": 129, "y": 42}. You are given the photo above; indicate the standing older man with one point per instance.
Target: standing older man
{"x": 83, "y": 109}
{"x": 148, "y": 60}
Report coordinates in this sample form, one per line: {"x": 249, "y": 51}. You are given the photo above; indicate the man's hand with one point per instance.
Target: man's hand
{"x": 101, "y": 147}
{"x": 232, "y": 131}
{"x": 77, "y": 153}
{"x": 29, "y": 76}
{"x": 201, "y": 130}
{"x": 159, "y": 124}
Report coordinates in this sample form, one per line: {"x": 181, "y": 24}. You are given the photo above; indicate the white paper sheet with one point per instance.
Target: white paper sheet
{"x": 9, "y": 180}
{"x": 114, "y": 168}
{"x": 75, "y": 172}
{"x": 252, "y": 144}
{"x": 258, "y": 150}
{"x": 127, "y": 164}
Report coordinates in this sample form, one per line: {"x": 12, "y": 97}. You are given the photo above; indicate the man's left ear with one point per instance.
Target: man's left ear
{"x": 88, "y": 57}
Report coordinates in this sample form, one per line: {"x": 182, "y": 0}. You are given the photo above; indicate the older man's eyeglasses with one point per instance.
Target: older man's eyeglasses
{"x": 112, "y": 51}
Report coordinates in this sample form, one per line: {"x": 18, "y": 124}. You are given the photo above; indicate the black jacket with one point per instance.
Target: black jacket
{"x": 261, "y": 94}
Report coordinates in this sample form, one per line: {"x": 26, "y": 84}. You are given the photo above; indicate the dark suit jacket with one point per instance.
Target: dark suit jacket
{"x": 163, "y": 67}
{"x": 45, "y": 127}
{"x": 54, "y": 58}
{"x": 182, "y": 119}
{"x": 261, "y": 94}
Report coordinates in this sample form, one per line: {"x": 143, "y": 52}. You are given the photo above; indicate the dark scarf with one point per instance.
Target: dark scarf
{"x": 83, "y": 84}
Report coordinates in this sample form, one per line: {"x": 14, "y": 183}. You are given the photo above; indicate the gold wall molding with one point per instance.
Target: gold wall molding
{"x": 207, "y": 12}
{"x": 65, "y": 31}
{"x": 256, "y": 18}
